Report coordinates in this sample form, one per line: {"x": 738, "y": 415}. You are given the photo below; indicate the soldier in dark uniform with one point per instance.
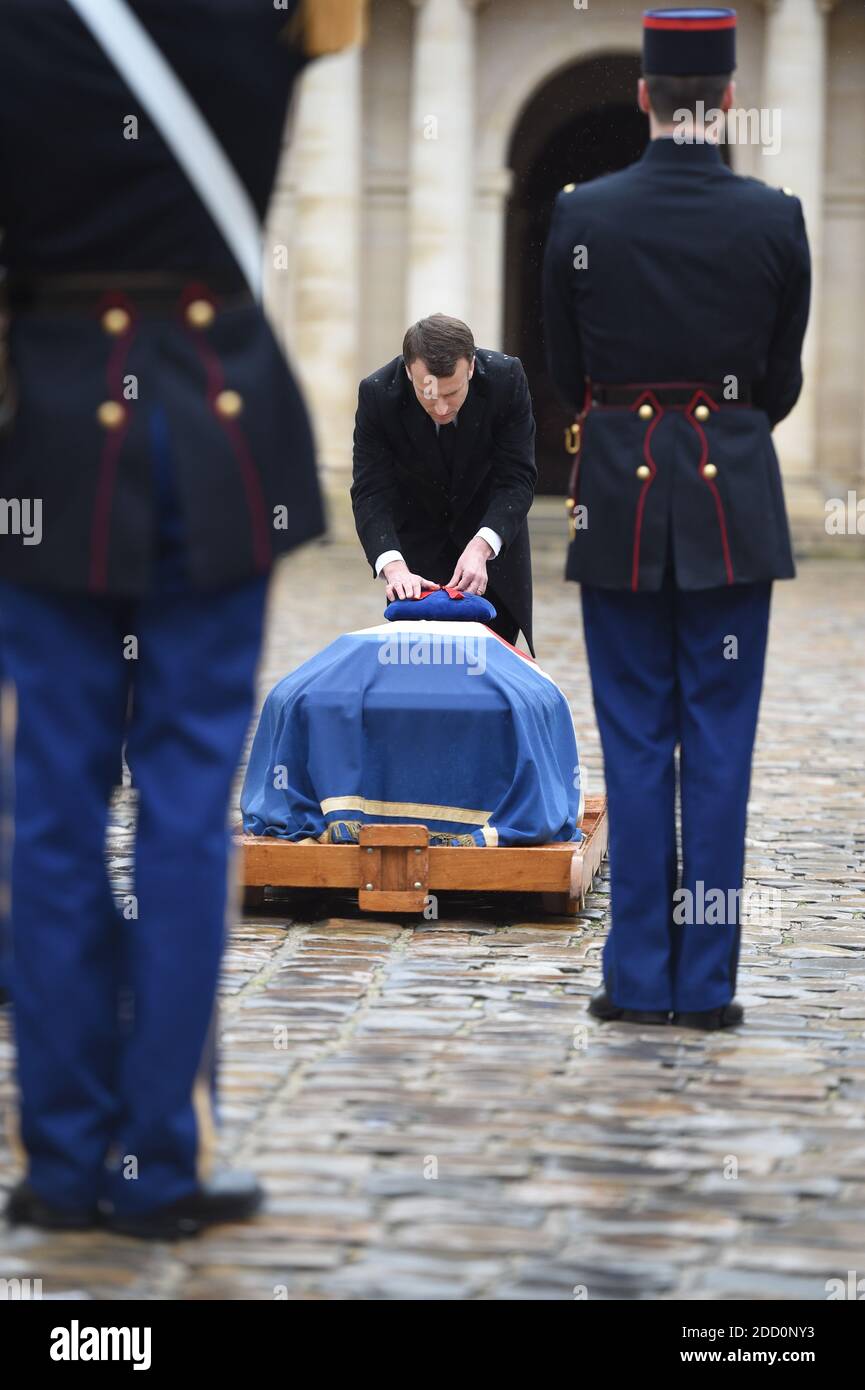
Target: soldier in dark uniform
{"x": 167, "y": 444}
{"x": 676, "y": 298}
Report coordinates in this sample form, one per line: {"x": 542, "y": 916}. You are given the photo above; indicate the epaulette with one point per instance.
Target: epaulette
{"x": 319, "y": 27}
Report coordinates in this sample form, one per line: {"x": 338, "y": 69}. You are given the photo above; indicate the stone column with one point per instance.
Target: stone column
{"x": 441, "y": 160}
{"x": 488, "y": 259}
{"x": 861, "y": 308}
{"x": 326, "y": 168}
{"x": 794, "y": 85}
{"x": 279, "y": 266}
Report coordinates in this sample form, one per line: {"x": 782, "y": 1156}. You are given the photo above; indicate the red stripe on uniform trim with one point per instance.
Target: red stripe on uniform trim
{"x": 687, "y": 26}
{"x": 641, "y": 500}
{"x": 112, "y": 445}
{"x": 98, "y": 581}
{"x": 710, "y": 482}
{"x": 261, "y": 547}
{"x": 574, "y": 488}
{"x": 719, "y": 507}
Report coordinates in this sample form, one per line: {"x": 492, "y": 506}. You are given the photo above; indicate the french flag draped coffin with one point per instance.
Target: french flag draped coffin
{"x": 441, "y": 724}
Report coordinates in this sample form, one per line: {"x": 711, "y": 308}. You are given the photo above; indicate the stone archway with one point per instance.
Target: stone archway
{"x": 581, "y": 123}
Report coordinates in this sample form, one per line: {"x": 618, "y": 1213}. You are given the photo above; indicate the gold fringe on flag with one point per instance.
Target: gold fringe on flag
{"x": 332, "y": 836}
{"x": 339, "y": 832}
{"x": 443, "y": 837}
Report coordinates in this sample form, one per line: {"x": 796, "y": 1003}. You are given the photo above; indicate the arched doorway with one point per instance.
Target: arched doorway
{"x": 581, "y": 123}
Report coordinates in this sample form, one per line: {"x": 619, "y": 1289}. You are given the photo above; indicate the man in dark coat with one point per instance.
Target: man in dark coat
{"x": 444, "y": 471}
{"x": 675, "y": 304}
{"x": 161, "y": 456}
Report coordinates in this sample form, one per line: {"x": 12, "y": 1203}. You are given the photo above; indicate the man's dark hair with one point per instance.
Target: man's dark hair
{"x": 440, "y": 342}
{"x": 667, "y": 95}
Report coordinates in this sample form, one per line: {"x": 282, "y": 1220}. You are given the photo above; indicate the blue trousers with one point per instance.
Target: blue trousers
{"x": 116, "y": 1101}
{"x": 675, "y": 669}
{"x": 89, "y": 1081}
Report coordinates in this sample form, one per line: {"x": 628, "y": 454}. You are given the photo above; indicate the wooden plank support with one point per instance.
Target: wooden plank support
{"x": 403, "y": 868}
{"x": 394, "y": 868}
{"x": 530, "y": 869}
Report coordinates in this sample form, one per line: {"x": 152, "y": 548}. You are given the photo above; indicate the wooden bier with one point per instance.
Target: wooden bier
{"x": 394, "y": 868}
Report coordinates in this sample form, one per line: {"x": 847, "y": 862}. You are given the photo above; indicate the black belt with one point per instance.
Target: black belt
{"x": 666, "y": 393}
{"x": 154, "y": 291}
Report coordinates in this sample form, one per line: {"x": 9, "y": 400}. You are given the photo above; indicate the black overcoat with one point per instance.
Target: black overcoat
{"x": 405, "y": 499}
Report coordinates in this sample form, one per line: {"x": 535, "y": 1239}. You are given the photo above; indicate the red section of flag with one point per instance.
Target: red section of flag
{"x": 442, "y": 589}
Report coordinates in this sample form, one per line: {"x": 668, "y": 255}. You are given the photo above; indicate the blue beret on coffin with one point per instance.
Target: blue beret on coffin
{"x": 442, "y": 605}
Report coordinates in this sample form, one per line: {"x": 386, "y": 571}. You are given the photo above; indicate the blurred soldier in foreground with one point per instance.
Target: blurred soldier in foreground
{"x": 160, "y": 443}
{"x": 675, "y": 300}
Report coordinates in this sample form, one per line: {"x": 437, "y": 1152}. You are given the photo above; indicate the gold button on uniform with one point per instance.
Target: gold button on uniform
{"x": 702, "y": 412}
{"x": 645, "y": 411}
{"x": 229, "y": 403}
{"x": 710, "y": 471}
{"x": 111, "y": 415}
{"x": 200, "y": 313}
{"x": 116, "y": 320}
{"x": 569, "y": 188}
{"x": 644, "y": 471}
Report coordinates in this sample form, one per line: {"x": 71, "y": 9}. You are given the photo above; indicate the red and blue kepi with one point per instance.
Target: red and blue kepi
{"x": 686, "y": 42}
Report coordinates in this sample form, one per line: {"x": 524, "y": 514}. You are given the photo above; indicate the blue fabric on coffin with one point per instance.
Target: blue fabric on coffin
{"x": 442, "y": 605}
{"x": 439, "y": 724}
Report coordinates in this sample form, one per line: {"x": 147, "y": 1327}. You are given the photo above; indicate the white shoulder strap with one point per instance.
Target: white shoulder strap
{"x": 198, "y": 152}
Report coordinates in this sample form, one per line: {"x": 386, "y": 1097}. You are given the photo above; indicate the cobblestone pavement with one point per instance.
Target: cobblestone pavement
{"x": 445, "y": 1122}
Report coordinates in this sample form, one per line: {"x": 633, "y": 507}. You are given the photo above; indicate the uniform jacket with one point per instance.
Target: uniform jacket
{"x": 402, "y": 495}
{"x": 77, "y": 196}
{"x": 692, "y": 274}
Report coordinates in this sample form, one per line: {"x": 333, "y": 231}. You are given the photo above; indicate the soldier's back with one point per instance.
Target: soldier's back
{"x": 126, "y": 300}
{"x": 87, "y": 180}
{"x": 685, "y": 262}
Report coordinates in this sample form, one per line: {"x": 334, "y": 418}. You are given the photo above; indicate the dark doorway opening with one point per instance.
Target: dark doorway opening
{"x": 582, "y": 123}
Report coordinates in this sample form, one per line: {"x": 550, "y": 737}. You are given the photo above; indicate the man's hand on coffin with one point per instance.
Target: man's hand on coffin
{"x": 401, "y": 583}
{"x": 470, "y": 574}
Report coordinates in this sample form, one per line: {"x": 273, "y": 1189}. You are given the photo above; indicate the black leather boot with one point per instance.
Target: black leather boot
{"x": 602, "y": 1007}
{"x": 227, "y": 1197}
{"x": 709, "y": 1020}
{"x": 25, "y": 1208}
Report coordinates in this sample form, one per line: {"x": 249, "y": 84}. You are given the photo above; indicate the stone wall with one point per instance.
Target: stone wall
{"x": 392, "y": 201}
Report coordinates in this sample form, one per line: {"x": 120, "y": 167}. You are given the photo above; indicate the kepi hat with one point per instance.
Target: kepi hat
{"x": 689, "y": 42}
